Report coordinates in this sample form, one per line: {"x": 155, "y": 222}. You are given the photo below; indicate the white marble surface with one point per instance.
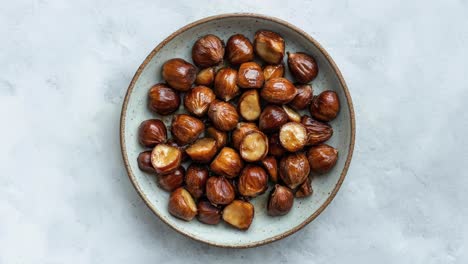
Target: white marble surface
{"x": 64, "y": 193}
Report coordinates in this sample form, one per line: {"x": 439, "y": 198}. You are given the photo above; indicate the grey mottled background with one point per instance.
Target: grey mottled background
{"x": 64, "y": 194}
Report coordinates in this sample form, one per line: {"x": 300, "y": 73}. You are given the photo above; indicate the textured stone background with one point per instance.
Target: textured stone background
{"x": 64, "y": 194}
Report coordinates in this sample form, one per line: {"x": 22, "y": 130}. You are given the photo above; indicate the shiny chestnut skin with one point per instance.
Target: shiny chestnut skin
{"x": 182, "y": 205}
{"x": 208, "y": 213}
{"x": 179, "y": 74}
{"x": 269, "y": 46}
{"x": 198, "y": 99}
{"x": 165, "y": 158}
{"x": 171, "y": 181}
{"x": 239, "y": 49}
{"x": 273, "y": 71}
{"x": 317, "y": 132}
{"x": 152, "y": 132}
{"x": 208, "y": 51}
{"x": 205, "y": 76}
{"x": 249, "y": 105}
{"x": 294, "y": 169}
{"x": 325, "y": 106}
{"x": 223, "y": 115}
{"x": 202, "y": 150}
{"x": 305, "y": 189}
{"x": 302, "y": 66}
{"x": 250, "y": 76}
{"x": 225, "y": 84}
{"x": 185, "y": 129}
{"x": 293, "y": 136}
{"x": 195, "y": 180}
{"x": 253, "y": 181}
{"x": 280, "y": 201}
{"x": 272, "y": 118}
{"x": 322, "y": 158}
{"x": 278, "y": 91}
{"x": 144, "y": 162}
{"x": 303, "y": 98}
{"x": 219, "y": 190}
{"x": 239, "y": 214}
{"x": 271, "y": 166}
{"x": 241, "y": 130}
{"x": 162, "y": 99}
{"x": 253, "y": 146}
{"x": 221, "y": 137}
{"x": 274, "y": 146}
{"x": 227, "y": 163}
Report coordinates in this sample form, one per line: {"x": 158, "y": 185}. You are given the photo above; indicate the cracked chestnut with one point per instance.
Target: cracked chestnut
{"x": 182, "y": 205}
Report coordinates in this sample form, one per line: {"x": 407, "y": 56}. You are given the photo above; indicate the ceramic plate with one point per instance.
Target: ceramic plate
{"x": 264, "y": 229}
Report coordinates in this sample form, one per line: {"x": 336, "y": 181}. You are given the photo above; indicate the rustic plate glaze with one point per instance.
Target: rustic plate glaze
{"x": 264, "y": 229}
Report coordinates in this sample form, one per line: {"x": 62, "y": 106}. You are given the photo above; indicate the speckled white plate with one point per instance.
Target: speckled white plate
{"x": 264, "y": 229}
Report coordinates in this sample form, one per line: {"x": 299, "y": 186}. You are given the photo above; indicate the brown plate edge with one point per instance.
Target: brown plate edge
{"x": 229, "y": 15}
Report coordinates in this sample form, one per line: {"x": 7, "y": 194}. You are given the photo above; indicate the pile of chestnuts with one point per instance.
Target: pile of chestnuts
{"x": 241, "y": 128}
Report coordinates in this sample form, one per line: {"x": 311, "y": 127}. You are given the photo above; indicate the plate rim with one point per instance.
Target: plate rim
{"x": 209, "y": 19}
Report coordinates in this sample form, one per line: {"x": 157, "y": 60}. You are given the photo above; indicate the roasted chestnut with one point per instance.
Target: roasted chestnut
{"x": 239, "y": 49}
{"x": 303, "y": 98}
{"x": 241, "y": 130}
{"x": 165, "y": 158}
{"x": 225, "y": 84}
{"x": 221, "y": 137}
{"x": 294, "y": 169}
{"x": 205, "y": 76}
{"x": 179, "y": 74}
{"x": 144, "y": 162}
{"x": 250, "y": 76}
{"x": 302, "y": 66}
{"x": 208, "y": 51}
{"x": 152, "y": 132}
{"x": 208, "y": 213}
{"x": 253, "y": 181}
{"x": 271, "y": 166}
{"x": 219, "y": 190}
{"x": 322, "y": 158}
{"x": 195, "y": 180}
{"x": 185, "y": 129}
{"x": 325, "y": 106}
{"x": 223, "y": 115}
{"x": 305, "y": 189}
{"x": 273, "y": 71}
{"x": 162, "y": 99}
{"x": 173, "y": 143}
{"x": 172, "y": 180}
{"x": 227, "y": 163}
{"x": 269, "y": 46}
{"x": 274, "y": 146}
{"x": 278, "y": 91}
{"x": 198, "y": 99}
{"x": 182, "y": 205}
{"x": 272, "y": 118}
{"x": 202, "y": 150}
{"x": 280, "y": 201}
{"x": 254, "y": 146}
{"x": 292, "y": 115}
{"x": 317, "y": 132}
{"x": 249, "y": 105}
{"x": 239, "y": 214}
{"x": 293, "y": 136}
